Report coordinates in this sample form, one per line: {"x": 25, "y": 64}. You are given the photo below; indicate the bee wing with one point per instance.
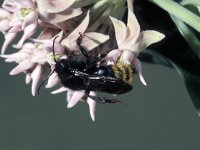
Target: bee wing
{"x": 104, "y": 84}
{"x": 94, "y": 77}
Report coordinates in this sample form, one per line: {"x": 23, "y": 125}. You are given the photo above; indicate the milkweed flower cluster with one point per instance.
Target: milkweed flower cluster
{"x": 66, "y": 19}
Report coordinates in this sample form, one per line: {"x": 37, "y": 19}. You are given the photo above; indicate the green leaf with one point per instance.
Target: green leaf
{"x": 188, "y": 35}
{"x": 179, "y": 11}
{"x": 191, "y": 2}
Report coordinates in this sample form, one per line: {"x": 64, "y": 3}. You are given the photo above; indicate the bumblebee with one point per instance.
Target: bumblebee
{"x": 88, "y": 75}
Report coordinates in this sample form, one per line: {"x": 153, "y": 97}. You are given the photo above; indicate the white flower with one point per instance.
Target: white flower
{"x": 31, "y": 61}
{"x": 90, "y": 41}
{"x": 131, "y": 42}
{"x": 24, "y": 18}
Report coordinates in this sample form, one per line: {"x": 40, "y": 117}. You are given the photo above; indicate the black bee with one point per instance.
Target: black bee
{"x": 87, "y": 75}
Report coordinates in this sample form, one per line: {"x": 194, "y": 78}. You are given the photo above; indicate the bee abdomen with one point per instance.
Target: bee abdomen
{"x": 123, "y": 72}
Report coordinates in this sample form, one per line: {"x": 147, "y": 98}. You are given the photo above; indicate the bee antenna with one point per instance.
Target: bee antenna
{"x": 53, "y": 48}
{"x": 46, "y": 78}
{"x": 125, "y": 105}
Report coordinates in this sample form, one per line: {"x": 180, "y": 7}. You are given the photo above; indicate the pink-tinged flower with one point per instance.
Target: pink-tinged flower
{"x": 25, "y": 15}
{"x": 31, "y": 61}
{"x": 47, "y": 46}
{"x": 73, "y": 97}
{"x": 5, "y": 20}
{"x": 131, "y": 42}
{"x": 92, "y": 106}
{"x": 90, "y": 41}
{"x": 55, "y": 12}
{"x": 24, "y": 18}
{"x": 48, "y": 57}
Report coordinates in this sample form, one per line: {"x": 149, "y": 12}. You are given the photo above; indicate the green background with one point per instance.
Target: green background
{"x": 159, "y": 116}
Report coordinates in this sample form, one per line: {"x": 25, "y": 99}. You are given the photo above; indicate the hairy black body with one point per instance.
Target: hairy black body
{"x": 88, "y": 75}
{"x": 74, "y": 75}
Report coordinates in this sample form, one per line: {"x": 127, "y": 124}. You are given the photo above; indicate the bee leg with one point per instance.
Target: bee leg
{"x": 99, "y": 58}
{"x": 82, "y": 49}
{"x": 97, "y": 99}
{"x": 103, "y": 100}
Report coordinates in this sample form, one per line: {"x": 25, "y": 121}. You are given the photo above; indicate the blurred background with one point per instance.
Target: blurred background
{"x": 160, "y": 116}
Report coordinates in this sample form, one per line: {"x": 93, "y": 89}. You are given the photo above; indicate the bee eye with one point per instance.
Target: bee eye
{"x": 62, "y": 64}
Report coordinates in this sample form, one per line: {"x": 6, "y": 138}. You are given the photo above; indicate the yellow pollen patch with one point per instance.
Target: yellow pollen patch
{"x": 123, "y": 72}
{"x": 25, "y": 11}
{"x": 116, "y": 71}
{"x": 130, "y": 72}
{"x": 50, "y": 58}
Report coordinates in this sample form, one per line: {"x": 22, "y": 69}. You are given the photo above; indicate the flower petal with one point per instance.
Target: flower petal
{"x": 54, "y": 6}
{"x": 23, "y": 66}
{"x": 4, "y": 13}
{"x": 137, "y": 64}
{"x": 120, "y": 30}
{"x": 9, "y": 5}
{"x": 58, "y": 48}
{"x": 92, "y": 40}
{"x": 25, "y": 3}
{"x": 28, "y": 32}
{"x": 48, "y": 45}
{"x": 16, "y": 57}
{"x": 15, "y": 21}
{"x": 9, "y": 37}
{"x": 28, "y": 47}
{"x": 113, "y": 55}
{"x": 16, "y": 28}
{"x": 127, "y": 56}
{"x": 145, "y": 39}
{"x": 53, "y": 80}
{"x": 60, "y": 17}
{"x": 92, "y": 106}
{"x": 69, "y": 95}
{"x": 39, "y": 57}
{"x": 133, "y": 28}
{"x": 28, "y": 79}
{"x": 60, "y": 90}
{"x": 77, "y": 95}
{"x": 36, "y": 76}
{"x": 70, "y": 41}
{"x": 31, "y": 18}
{"x": 4, "y": 25}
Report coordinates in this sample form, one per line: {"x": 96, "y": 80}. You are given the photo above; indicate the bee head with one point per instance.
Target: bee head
{"x": 61, "y": 66}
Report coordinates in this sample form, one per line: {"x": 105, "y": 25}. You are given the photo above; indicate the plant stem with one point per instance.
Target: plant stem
{"x": 130, "y": 4}
{"x": 179, "y": 11}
